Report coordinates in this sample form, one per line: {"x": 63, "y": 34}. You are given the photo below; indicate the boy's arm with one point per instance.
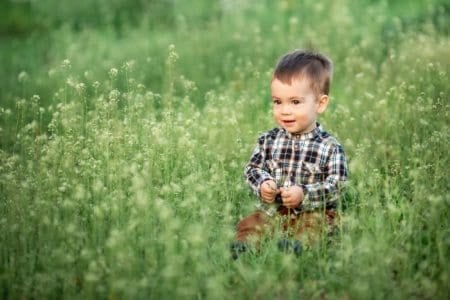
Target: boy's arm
{"x": 327, "y": 192}
{"x": 254, "y": 173}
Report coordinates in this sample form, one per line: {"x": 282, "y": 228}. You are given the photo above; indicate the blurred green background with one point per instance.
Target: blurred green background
{"x": 212, "y": 37}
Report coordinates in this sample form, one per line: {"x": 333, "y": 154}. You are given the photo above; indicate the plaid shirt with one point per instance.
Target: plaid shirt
{"x": 315, "y": 161}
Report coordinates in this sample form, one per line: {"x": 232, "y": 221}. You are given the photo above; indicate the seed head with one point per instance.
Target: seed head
{"x": 80, "y": 87}
{"x": 173, "y": 56}
{"x": 66, "y": 64}
{"x": 114, "y": 94}
{"x": 22, "y": 77}
{"x": 35, "y": 98}
{"x": 113, "y": 72}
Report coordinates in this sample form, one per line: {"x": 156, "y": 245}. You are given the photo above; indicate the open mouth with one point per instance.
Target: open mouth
{"x": 288, "y": 122}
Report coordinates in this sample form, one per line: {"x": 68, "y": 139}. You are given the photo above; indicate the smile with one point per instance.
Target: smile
{"x": 287, "y": 122}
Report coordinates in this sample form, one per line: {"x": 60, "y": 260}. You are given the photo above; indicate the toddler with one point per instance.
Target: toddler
{"x": 296, "y": 169}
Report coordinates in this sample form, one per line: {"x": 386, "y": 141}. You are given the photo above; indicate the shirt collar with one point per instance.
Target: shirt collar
{"x": 304, "y": 136}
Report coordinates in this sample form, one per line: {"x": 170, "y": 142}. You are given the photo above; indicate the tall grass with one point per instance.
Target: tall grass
{"x": 122, "y": 155}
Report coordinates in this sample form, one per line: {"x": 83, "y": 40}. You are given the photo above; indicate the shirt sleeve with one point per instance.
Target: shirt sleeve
{"x": 256, "y": 171}
{"x": 326, "y": 193}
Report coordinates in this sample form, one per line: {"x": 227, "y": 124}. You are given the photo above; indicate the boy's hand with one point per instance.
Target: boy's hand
{"x": 292, "y": 196}
{"x": 268, "y": 191}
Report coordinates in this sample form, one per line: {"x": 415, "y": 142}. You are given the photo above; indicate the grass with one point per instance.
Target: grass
{"x": 123, "y": 147}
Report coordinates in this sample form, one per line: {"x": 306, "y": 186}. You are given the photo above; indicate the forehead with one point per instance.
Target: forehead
{"x": 297, "y": 87}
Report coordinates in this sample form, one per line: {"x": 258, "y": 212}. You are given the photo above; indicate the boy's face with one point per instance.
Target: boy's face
{"x": 296, "y": 106}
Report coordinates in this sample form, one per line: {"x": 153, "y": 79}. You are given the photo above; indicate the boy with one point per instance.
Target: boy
{"x": 296, "y": 169}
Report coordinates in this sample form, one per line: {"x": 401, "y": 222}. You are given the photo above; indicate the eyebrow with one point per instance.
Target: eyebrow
{"x": 290, "y": 98}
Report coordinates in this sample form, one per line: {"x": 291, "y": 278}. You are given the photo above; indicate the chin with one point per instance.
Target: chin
{"x": 292, "y": 130}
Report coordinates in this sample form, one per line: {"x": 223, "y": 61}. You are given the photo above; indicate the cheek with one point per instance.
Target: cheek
{"x": 276, "y": 112}
{"x": 302, "y": 118}
{"x": 304, "y": 112}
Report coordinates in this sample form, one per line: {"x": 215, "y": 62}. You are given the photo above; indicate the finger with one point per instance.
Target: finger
{"x": 268, "y": 199}
{"x": 271, "y": 185}
{"x": 264, "y": 189}
{"x": 268, "y": 193}
{"x": 285, "y": 193}
{"x": 269, "y": 188}
{"x": 287, "y": 201}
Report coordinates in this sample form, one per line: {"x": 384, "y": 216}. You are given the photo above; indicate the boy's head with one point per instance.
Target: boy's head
{"x": 309, "y": 65}
{"x": 300, "y": 87}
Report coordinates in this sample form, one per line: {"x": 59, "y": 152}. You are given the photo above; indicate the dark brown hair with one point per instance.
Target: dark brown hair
{"x": 314, "y": 66}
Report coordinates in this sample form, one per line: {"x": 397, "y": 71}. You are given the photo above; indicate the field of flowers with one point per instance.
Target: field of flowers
{"x": 125, "y": 128}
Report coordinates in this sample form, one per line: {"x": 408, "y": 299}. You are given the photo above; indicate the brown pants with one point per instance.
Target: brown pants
{"x": 305, "y": 226}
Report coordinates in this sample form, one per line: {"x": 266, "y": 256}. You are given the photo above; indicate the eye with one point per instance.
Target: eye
{"x": 296, "y": 101}
{"x": 276, "y": 102}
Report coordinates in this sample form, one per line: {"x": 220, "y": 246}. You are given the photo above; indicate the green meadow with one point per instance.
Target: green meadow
{"x": 125, "y": 127}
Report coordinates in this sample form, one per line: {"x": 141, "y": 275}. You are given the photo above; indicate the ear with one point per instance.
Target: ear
{"x": 322, "y": 103}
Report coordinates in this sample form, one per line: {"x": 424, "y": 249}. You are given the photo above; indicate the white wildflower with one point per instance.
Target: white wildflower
{"x": 66, "y": 64}
{"x": 22, "y": 77}
{"x": 113, "y": 72}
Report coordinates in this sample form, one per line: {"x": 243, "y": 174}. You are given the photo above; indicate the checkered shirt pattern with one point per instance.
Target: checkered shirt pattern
{"x": 315, "y": 161}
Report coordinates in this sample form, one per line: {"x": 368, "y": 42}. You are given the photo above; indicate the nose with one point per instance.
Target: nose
{"x": 285, "y": 110}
